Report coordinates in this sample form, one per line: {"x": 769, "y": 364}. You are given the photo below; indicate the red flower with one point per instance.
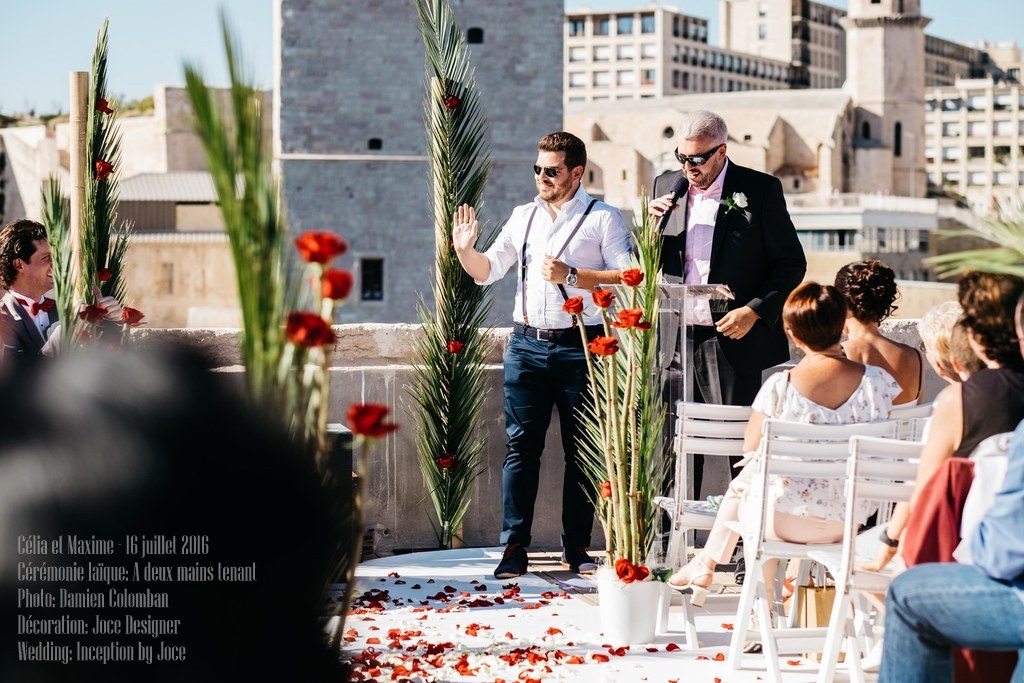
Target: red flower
{"x": 446, "y": 460}
{"x": 455, "y": 347}
{"x": 336, "y": 283}
{"x": 308, "y": 329}
{"x": 451, "y": 102}
{"x": 604, "y": 346}
{"x": 606, "y": 489}
{"x": 103, "y": 274}
{"x": 132, "y": 316}
{"x": 573, "y": 305}
{"x": 367, "y": 419}
{"x": 320, "y": 246}
{"x": 103, "y": 106}
{"x": 629, "y": 317}
{"x": 629, "y": 572}
{"x": 632, "y": 277}
{"x": 103, "y": 169}
{"x": 92, "y": 313}
{"x": 603, "y": 297}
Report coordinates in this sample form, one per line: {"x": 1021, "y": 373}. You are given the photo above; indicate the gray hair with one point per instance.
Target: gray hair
{"x": 936, "y": 325}
{"x": 704, "y": 124}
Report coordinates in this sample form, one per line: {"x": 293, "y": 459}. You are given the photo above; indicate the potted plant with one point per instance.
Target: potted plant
{"x": 623, "y": 451}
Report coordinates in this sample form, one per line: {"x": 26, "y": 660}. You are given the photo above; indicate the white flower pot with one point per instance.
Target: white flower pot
{"x": 629, "y": 611}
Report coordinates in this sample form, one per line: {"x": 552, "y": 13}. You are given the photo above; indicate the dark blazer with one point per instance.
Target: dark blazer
{"x": 20, "y": 336}
{"x": 756, "y": 252}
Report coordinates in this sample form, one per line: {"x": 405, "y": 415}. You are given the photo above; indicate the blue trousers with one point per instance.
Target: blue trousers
{"x": 932, "y": 608}
{"x": 540, "y": 375}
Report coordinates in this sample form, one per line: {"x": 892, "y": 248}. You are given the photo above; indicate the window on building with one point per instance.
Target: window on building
{"x": 475, "y": 35}
{"x": 602, "y": 26}
{"x": 929, "y": 154}
{"x": 648, "y": 51}
{"x": 374, "y": 144}
{"x": 371, "y": 276}
{"x": 577, "y": 79}
{"x": 602, "y": 78}
{"x": 624, "y": 25}
{"x": 951, "y": 178}
{"x": 951, "y": 129}
{"x": 1001, "y": 154}
{"x": 602, "y": 53}
{"x": 975, "y": 152}
{"x": 647, "y": 76}
{"x": 577, "y": 98}
{"x": 977, "y": 178}
{"x": 577, "y": 53}
{"x": 625, "y": 77}
{"x": 977, "y": 128}
{"x": 977, "y": 102}
{"x": 686, "y": 80}
{"x": 1003, "y": 128}
{"x": 1002, "y": 178}
{"x": 865, "y": 130}
{"x": 625, "y": 53}
{"x": 577, "y": 27}
{"x": 951, "y": 104}
{"x": 762, "y": 31}
{"x": 647, "y": 23}
{"x": 950, "y": 153}
{"x": 762, "y": 9}
{"x": 897, "y": 139}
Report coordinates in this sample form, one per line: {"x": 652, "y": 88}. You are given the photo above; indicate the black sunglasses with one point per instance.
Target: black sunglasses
{"x": 698, "y": 159}
{"x": 549, "y": 171}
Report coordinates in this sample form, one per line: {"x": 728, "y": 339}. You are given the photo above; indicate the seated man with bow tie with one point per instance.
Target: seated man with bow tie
{"x": 27, "y": 317}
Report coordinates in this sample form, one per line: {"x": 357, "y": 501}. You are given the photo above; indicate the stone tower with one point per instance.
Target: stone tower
{"x": 885, "y": 78}
{"x": 351, "y": 141}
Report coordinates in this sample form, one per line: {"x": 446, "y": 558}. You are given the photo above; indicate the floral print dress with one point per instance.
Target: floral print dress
{"x": 778, "y": 398}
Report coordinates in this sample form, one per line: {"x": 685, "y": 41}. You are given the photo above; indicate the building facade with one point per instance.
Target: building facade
{"x": 656, "y": 52}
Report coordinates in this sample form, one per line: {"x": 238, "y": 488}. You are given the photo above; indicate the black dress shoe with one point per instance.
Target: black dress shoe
{"x": 513, "y": 563}
{"x": 577, "y": 560}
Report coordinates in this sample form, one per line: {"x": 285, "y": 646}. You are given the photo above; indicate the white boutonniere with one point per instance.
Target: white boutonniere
{"x": 737, "y": 202}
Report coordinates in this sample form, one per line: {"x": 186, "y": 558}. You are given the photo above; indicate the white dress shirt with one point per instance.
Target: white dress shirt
{"x": 601, "y": 243}
{"x": 40, "y": 319}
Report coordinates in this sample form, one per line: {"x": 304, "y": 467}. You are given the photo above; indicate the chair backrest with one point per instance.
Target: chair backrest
{"x": 913, "y": 419}
{"x": 813, "y": 451}
{"x": 710, "y": 429}
{"x": 880, "y": 471}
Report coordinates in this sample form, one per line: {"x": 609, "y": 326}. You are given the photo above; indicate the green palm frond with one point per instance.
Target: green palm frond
{"x": 449, "y": 387}
{"x": 58, "y": 234}
{"x": 1005, "y": 230}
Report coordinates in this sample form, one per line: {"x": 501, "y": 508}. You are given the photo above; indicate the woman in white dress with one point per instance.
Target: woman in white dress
{"x": 825, "y": 387}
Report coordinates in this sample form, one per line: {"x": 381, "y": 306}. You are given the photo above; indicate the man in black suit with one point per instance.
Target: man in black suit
{"x": 26, "y": 272}
{"x": 729, "y": 226}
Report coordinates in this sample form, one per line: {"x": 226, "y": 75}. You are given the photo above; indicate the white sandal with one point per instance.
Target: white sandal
{"x": 699, "y": 593}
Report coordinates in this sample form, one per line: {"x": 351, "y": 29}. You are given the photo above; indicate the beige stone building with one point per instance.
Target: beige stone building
{"x": 656, "y": 52}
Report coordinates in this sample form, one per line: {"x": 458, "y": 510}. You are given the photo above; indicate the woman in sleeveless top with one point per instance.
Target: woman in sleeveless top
{"x": 989, "y": 402}
{"x": 869, "y": 288}
{"x": 825, "y": 387}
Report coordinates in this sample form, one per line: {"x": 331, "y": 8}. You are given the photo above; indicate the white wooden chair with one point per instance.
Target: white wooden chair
{"x": 881, "y": 472}
{"x": 913, "y": 419}
{"x": 800, "y": 450}
{"x": 711, "y": 430}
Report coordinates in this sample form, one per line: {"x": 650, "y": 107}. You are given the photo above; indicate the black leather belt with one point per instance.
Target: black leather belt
{"x": 565, "y": 335}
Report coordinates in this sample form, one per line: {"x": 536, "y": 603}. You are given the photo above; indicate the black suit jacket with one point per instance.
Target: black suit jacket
{"x": 20, "y": 336}
{"x": 756, "y": 252}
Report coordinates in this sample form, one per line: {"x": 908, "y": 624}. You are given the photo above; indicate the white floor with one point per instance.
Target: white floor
{"x": 442, "y": 616}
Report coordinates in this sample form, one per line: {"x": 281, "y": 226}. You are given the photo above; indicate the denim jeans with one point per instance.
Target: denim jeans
{"x": 934, "y": 607}
{"x": 538, "y": 376}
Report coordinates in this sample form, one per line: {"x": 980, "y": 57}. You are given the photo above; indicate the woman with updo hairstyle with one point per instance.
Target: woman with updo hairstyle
{"x": 869, "y": 288}
{"x": 825, "y": 387}
{"x": 989, "y": 402}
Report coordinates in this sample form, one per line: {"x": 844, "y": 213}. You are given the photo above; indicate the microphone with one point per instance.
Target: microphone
{"x": 677, "y": 189}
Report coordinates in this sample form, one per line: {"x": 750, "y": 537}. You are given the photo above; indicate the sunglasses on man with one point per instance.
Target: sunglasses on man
{"x": 549, "y": 171}
{"x": 698, "y": 159}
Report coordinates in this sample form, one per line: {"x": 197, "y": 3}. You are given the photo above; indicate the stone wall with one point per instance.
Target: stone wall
{"x": 374, "y": 362}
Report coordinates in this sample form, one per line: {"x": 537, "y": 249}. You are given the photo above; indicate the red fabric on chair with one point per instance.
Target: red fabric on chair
{"x": 932, "y": 534}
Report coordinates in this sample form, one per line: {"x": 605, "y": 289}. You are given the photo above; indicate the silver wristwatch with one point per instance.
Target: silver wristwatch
{"x": 570, "y": 279}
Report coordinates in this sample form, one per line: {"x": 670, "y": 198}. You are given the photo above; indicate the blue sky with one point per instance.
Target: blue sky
{"x": 43, "y": 40}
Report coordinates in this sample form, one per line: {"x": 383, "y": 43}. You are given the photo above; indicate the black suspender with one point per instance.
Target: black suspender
{"x": 526, "y": 240}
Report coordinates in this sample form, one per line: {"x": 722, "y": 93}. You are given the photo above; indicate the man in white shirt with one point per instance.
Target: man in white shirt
{"x": 565, "y": 244}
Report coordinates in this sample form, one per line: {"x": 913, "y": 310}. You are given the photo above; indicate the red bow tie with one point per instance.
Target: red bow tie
{"x": 34, "y": 307}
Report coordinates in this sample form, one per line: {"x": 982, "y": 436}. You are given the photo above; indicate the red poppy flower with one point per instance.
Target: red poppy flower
{"x": 451, "y": 102}
{"x": 603, "y": 298}
{"x": 103, "y": 169}
{"x": 455, "y": 347}
{"x": 92, "y": 313}
{"x": 628, "y": 318}
{"x": 103, "y": 106}
{"x": 606, "y": 489}
{"x": 604, "y": 346}
{"x": 573, "y": 305}
{"x": 629, "y": 572}
{"x": 132, "y": 316}
{"x": 308, "y": 329}
{"x": 336, "y": 284}
{"x": 632, "y": 277}
{"x": 446, "y": 460}
{"x": 320, "y": 246}
{"x": 367, "y": 419}
{"x": 103, "y": 274}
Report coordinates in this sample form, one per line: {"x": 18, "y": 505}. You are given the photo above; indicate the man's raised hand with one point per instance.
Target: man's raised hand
{"x": 464, "y": 228}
